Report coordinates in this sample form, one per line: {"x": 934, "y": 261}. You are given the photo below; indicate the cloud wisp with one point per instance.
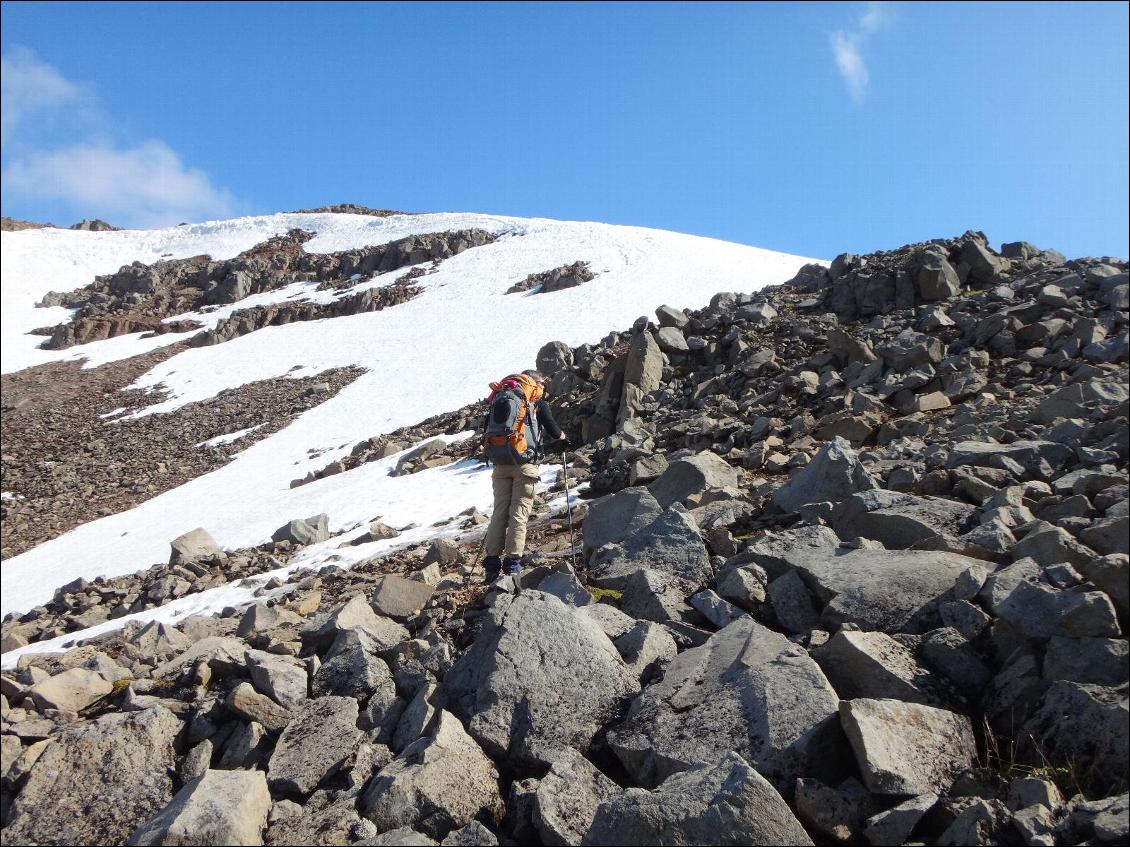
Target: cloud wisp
{"x": 143, "y": 185}
{"x": 847, "y": 48}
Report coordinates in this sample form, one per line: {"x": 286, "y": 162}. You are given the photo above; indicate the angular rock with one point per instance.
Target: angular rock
{"x": 670, "y": 544}
{"x": 692, "y": 475}
{"x": 437, "y": 784}
{"x": 881, "y": 590}
{"x": 613, "y": 518}
{"x": 356, "y": 614}
{"x": 283, "y": 679}
{"x": 792, "y": 604}
{"x": 218, "y": 807}
{"x": 566, "y": 588}
{"x": 248, "y": 703}
{"x": 317, "y": 742}
{"x": 899, "y": 521}
{"x": 833, "y": 474}
{"x": 715, "y": 609}
{"x": 313, "y": 530}
{"x": 647, "y": 647}
{"x": 540, "y": 677}
{"x": 567, "y": 799}
{"x": 837, "y": 813}
{"x": 907, "y": 748}
{"x": 352, "y": 669}
{"x": 1094, "y": 661}
{"x": 399, "y": 598}
{"x": 197, "y": 544}
{"x": 72, "y": 690}
{"x": 96, "y": 780}
{"x": 747, "y": 689}
{"x": 873, "y": 665}
{"x": 725, "y": 803}
{"x": 1086, "y": 726}
{"x": 892, "y": 828}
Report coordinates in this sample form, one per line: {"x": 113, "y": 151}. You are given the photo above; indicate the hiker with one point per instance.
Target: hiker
{"x": 517, "y": 423}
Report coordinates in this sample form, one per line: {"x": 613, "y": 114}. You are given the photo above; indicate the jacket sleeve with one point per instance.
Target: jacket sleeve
{"x": 547, "y": 423}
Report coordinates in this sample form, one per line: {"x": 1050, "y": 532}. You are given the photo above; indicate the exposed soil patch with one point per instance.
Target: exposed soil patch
{"x": 63, "y": 464}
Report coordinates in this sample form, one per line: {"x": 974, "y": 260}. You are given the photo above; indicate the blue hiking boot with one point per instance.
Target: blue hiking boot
{"x": 512, "y": 567}
{"x": 493, "y": 566}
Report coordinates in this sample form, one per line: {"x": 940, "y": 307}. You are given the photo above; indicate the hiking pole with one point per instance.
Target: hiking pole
{"x": 569, "y": 508}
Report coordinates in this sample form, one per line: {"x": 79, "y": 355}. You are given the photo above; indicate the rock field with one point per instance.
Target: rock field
{"x": 853, "y": 569}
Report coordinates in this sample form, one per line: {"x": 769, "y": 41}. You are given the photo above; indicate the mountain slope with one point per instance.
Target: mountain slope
{"x": 433, "y": 353}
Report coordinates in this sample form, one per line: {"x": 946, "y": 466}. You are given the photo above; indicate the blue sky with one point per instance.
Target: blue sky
{"x": 809, "y": 128}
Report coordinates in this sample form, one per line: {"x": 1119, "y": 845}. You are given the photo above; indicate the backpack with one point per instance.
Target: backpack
{"x": 512, "y": 436}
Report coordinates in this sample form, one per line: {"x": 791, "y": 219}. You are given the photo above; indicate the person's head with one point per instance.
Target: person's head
{"x": 538, "y": 377}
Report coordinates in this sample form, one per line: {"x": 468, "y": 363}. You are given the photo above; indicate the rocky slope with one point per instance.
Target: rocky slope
{"x": 854, "y": 571}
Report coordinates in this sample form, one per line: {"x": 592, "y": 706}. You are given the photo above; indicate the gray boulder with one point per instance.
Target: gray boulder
{"x": 352, "y": 669}
{"x": 907, "y": 748}
{"x": 670, "y": 544}
{"x": 1084, "y": 726}
{"x": 355, "y": 614}
{"x": 874, "y": 665}
{"x": 747, "y": 689}
{"x": 899, "y": 521}
{"x": 881, "y": 590}
{"x": 725, "y": 803}
{"x": 693, "y": 475}
{"x": 399, "y": 598}
{"x": 553, "y": 357}
{"x": 96, "y": 780}
{"x": 1096, "y": 661}
{"x": 567, "y": 799}
{"x": 319, "y": 740}
{"x": 248, "y": 703}
{"x": 73, "y": 689}
{"x": 193, "y": 545}
{"x": 892, "y": 828}
{"x": 770, "y": 552}
{"x": 566, "y": 588}
{"x": 436, "y": 784}
{"x": 833, "y": 475}
{"x": 312, "y": 530}
{"x": 647, "y": 648}
{"x": 219, "y": 807}
{"x": 540, "y": 677}
{"x": 281, "y": 678}
{"x": 613, "y": 518}
{"x": 1027, "y": 454}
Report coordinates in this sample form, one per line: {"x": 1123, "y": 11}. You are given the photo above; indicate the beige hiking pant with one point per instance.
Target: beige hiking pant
{"x": 514, "y": 487}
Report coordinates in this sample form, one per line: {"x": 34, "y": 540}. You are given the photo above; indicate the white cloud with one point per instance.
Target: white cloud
{"x": 147, "y": 185}
{"x": 847, "y": 48}
{"x": 27, "y": 86}
{"x": 144, "y": 185}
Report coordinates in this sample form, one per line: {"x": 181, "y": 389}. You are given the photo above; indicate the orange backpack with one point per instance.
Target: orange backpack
{"x": 512, "y": 436}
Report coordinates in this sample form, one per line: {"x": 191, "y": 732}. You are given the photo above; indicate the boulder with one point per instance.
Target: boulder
{"x": 356, "y": 614}
{"x": 692, "y": 475}
{"x": 1095, "y": 661}
{"x": 281, "y": 678}
{"x": 656, "y": 596}
{"x": 647, "y": 648}
{"x": 193, "y": 545}
{"x": 837, "y": 813}
{"x": 899, "y": 521}
{"x": 670, "y": 544}
{"x": 881, "y": 590}
{"x": 248, "y": 703}
{"x": 1027, "y": 454}
{"x": 553, "y": 357}
{"x": 221, "y": 653}
{"x": 321, "y": 821}
{"x": 436, "y": 784}
{"x": 72, "y": 690}
{"x": 260, "y": 617}
{"x": 873, "y": 665}
{"x": 304, "y": 531}
{"x": 747, "y": 689}
{"x": 399, "y": 598}
{"x": 724, "y": 803}
{"x": 218, "y": 807}
{"x": 1084, "y": 726}
{"x": 613, "y": 518}
{"x": 96, "y": 780}
{"x": 792, "y": 604}
{"x": 567, "y": 799}
{"x": 319, "y": 740}
{"x": 907, "y": 748}
{"x": 540, "y": 677}
{"x": 352, "y": 669}
{"x": 833, "y": 475}
{"x": 566, "y": 588}
{"x": 892, "y": 828}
